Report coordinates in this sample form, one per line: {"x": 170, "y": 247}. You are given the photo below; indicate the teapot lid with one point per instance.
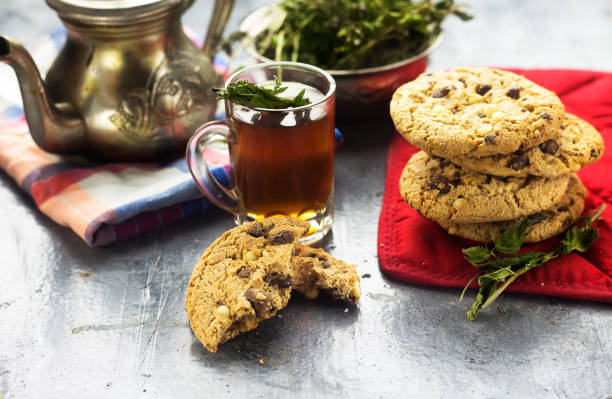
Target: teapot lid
{"x": 114, "y": 12}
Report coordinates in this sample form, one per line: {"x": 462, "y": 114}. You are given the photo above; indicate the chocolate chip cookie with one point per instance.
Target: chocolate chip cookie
{"x": 445, "y": 192}
{"x": 578, "y": 144}
{"x": 551, "y": 221}
{"x": 313, "y": 270}
{"x": 475, "y": 112}
{"x": 244, "y": 277}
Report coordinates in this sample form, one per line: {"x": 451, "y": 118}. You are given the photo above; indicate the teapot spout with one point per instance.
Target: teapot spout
{"x": 54, "y": 127}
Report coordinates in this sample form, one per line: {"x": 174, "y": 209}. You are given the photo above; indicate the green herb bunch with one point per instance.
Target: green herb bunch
{"x": 499, "y": 266}
{"x": 254, "y": 96}
{"x": 351, "y": 34}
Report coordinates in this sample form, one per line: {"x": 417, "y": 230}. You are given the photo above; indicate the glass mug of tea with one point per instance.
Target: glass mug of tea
{"x": 282, "y": 160}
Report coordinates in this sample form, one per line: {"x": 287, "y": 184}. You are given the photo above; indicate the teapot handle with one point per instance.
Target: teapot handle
{"x": 219, "y": 17}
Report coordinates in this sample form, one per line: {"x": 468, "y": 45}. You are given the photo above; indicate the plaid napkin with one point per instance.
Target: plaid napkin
{"x": 102, "y": 203}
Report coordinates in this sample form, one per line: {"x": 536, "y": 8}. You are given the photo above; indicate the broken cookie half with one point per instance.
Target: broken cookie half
{"x": 313, "y": 271}
{"x": 244, "y": 277}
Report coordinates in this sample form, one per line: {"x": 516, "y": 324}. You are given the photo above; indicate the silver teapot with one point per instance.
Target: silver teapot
{"x": 127, "y": 85}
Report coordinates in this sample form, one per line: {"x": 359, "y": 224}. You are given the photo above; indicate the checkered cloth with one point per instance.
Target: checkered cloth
{"x": 102, "y": 203}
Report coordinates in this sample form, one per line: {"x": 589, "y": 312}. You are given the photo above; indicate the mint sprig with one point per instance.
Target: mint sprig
{"x": 254, "y": 96}
{"x": 496, "y": 271}
{"x": 349, "y": 34}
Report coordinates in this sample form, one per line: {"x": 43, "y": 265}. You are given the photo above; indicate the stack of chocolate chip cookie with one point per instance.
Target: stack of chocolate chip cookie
{"x": 496, "y": 148}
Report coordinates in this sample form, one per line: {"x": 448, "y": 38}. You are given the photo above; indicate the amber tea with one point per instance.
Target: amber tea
{"x": 282, "y": 158}
{"x": 282, "y": 163}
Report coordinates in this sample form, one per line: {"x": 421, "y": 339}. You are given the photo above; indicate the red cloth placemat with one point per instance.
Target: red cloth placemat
{"x": 416, "y": 250}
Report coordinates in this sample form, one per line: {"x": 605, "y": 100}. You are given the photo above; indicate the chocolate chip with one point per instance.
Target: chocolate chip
{"x": 562, "y": 127}
{"x": 283, "y": 281}
{"x": 463, "y": 82}
{"x": 444, "y": 162}
{"x": 545, "y": 115}
{"x": 549, "y": 146}
{"x": 521, "y": 150}
{"x": 326, "y": 264}
{"x": 594, "y": 153}
{"x": 563, "y": 209}
{"x": 456, "y": 180}
{"x": 279, "y": 279}
{"x": 490, "y": 138}
{"x": 523, "y": 109}
{"x": 514, "y": 92}
{"x": 482, "y": 115}
{"x": 519, "y": 162}
{"x": 439, "y": 93}
{"x": 571, "y": 202}
{"x": 259, "y": 300}
{"x": 483, "y": 89}
{"x": 439, "y": 182}
{"x": 256, "y": 230}
{"x": 244, "y": 272}
{"x": 282, "y": 237}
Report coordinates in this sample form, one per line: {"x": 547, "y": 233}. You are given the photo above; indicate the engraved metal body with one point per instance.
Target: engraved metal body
{"x": 127, "y": 85}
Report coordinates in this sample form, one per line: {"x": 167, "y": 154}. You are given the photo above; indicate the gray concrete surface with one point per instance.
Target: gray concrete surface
{"x": 122, "y": 332}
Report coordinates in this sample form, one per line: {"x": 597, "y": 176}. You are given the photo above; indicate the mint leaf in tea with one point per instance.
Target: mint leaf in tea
{"x": 282, "y": 159}
{"x": 260, "y": 96}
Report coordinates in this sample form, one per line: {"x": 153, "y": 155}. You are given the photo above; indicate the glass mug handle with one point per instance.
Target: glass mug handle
{"x": 215, "y": 131}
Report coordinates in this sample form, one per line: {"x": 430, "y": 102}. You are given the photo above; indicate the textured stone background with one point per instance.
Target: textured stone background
{"x": 123, "y": 332}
